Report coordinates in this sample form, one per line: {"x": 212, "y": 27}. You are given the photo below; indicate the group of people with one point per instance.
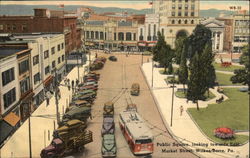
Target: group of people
{"x": 72, "y": 85}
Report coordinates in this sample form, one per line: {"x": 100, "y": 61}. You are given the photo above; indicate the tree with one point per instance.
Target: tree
{"x": 179, "y": 47}
{"x": 183, "y": 70}
{"x": 196, "y": 87}
{"x": 157, "y": 48}
{"x": 243, "y": 75}
{"x": 207, "y": 58}
{"x": 170, "y": 68}
{"x": 198, "y": 40}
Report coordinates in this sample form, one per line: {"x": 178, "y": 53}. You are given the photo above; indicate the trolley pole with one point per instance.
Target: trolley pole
{"x": 89, "y": 59}
{"x": 172, "y": 103}
{"x": 78, "y": 68}
{"x": 30, "y": 146}
{"x": 152, "y": 73}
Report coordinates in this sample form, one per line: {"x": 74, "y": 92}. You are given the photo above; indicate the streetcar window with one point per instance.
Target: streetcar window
{"x": 143, "y": 141}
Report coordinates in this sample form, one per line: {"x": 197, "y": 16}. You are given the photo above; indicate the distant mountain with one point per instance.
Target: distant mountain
{"x": 28, "y": 10}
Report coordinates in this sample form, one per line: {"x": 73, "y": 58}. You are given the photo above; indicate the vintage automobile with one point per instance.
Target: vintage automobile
{"x": 108, "y": 126}
{"x": 112, "y": 58}
{"x": 108, "y": 145}
{"x": 131, "y": 107}
{"x": 89, "y": 91}
{"x": 108, "y": 109}
{"x": 80, "y": 103}
{"x": 88, "y": 97}
{"x": 90, "y": 80}
{"x": 74, "y": 112}
{"x": 69, "y": 129}
{"x": 135, "y": 89}
{"x": 59, "y": 148}
{"x": 89, "y": 87}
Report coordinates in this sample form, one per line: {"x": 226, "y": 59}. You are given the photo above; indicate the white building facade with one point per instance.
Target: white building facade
{"x": 217, "y": 28}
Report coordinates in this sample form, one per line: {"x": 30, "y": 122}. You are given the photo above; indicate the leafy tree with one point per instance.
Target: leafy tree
{"x": 183, "y": 70}
{"x": 243, "y": 75}
{"x": 157, "y": 48}
{"x": 179, "y": 47}
{"x": 198, "y": 40}
{"x": 170, "y": 68}
{"x": 207, "y": 58}
{"x": 196, "y": 87}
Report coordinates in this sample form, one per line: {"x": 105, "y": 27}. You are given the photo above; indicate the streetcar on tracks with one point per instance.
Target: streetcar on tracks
{"x": 136, "y": 132}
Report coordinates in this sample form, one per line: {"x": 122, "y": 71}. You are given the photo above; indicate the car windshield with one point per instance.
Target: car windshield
{"x": 143, "y": 141}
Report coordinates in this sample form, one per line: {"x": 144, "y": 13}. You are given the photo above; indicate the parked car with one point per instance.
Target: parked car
{"x": 80, "y": 103}
{"x": 89, "y": 91}
{"x": 108, "y": 109}
{"x": 131, "y": 107}
{"x": 135, "y": 89}
{"x": 108, "y": 126}
{"x": 108, "y": 146}
{"x": 89, "y": 87}
{"x": 74, "y": 112}
{"x": 112, "y": 58}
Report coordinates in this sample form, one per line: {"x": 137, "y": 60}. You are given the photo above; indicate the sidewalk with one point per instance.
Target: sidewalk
{"x": 183, "y": 127}
{"x": 42, "y": 124}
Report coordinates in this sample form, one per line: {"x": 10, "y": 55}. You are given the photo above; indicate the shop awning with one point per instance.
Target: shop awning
{"x": 5, "y": 130}
{"x": 12, "y": 119}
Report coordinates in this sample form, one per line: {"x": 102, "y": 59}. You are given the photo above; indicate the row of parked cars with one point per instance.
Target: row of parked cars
{"x": 98, "y": 63}
{"x": 71, "y": 136}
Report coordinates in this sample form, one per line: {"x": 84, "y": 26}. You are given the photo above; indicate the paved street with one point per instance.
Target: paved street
{"x": 116, "y": 76}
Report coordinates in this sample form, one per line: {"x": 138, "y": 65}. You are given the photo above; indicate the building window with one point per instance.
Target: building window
{"x": 192, "y": 21}
{"x": 186, "y": 6}
{"x": 96, "y": 35}
{"x": 1, "y": 27}
{"x": 149, "y": 30}
{"x": 8, "y": 27}
{"x": 62, "y": 45}
{"x": 173, "y": 21}
{"x": 23, "y": 66}
{"x": 128, "y": 36}
{"x": 46, "y": 70}
{"x": 186, "y": 13}
{"x": 59, "y": 60}
{"x": 53, "y": 64}
{"x": 192, "y": 13}
{"x": 53, "y": 50}
{"x": 179, "y": 0}
{"x": 120, "y": 36}
{"x": 101, "y": 35}
{"x": 173, "y": 6}
{"x": 25, "y": 85}
{"x": 186, "y": 0}
{"x": 9, "y": 98}
{"x": 154, "y": 30}
{"x": 8, "y": 76}
{"x": 141, "y": 32}
{"x": 62, "y": 57}
{"x": 92, "y": 34}
{"x": 192, "y": 6}
{"x": 179, "y": 21}
{"x": 87, "y": 34}
{"x": 35, "y": 59}
{"x": 173, "y": 0}
{"x": 179, "y": 6}
{"x": 186, "y": 21}
{"x": 173, "y": 13}
{"x": 24, "y": 27}
{"x": 36, "y": 77}
{"x": 46, "y": 54}
{"x": 162, "y": 32}
{"x": 134, "y": 36}
{"x": 13, "y": 27}
{"x": 179, "y": 13}
{"x": 58, "y": 47}
{"x": 115, "y": 36}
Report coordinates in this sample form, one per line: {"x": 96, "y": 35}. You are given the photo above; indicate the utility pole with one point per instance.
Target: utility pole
{"x": 152, "y": 73}
{"x": 172, "y": 102}
{"x": 89, "y": 59}
{"x": 78, "y": 68}
{"x": 56, "y": 98}
{"x": 141, "y": 58}
{"x": 30, "y": 146}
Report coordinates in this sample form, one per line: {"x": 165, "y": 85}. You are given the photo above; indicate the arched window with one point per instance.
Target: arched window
{"x": 173, "y": 21}
{"x": 101, "y": 35}
{"x": 162, "y": 31}
{"x": 128, "y": 36}
{"x": 92, "y": 34}
{"x": 186, "y": 21}
{"x": 192, "y": 21}
{"x": 179, "y": 22}
{"x": 87, "y": 34}
{"x": 120, "y": 36}
{"x": 96, "y": 35}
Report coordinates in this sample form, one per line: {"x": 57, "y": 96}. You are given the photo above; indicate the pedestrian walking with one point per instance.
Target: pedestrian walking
{"x": 68, "y": 87}
{"x": 59, "y": 93}
{"x": 77, "y": 82}
{"x": 68, "y": 81}
{"x": 48, "y": 95}
{"x": 72, "y": 83}
{"x": 181, "y": 110}
{"x": 95, "y": 55}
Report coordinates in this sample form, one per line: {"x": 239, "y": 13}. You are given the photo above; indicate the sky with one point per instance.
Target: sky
{"x": 135, "y": 4}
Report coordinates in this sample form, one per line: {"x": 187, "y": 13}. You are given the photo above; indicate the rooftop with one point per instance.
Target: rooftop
{"x": 7, "y": 51}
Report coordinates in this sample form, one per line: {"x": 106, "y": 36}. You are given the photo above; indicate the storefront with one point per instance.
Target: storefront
{"x": 38, "y": 96}
{"x": 26, "y": 106}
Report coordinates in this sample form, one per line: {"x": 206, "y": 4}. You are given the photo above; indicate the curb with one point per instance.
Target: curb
{"x": 162, "y": 116}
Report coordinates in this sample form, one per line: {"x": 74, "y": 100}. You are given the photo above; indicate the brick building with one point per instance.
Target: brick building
{"x": 46, "y": 21}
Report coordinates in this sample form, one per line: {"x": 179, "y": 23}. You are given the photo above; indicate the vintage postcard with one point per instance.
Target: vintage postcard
{"x": 125, "y": 79}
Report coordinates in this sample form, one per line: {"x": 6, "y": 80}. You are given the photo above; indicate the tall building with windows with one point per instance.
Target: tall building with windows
{"x": 177, "y": 17}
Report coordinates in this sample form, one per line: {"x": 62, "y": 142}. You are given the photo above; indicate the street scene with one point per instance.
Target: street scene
{"x": 158, "y": 79}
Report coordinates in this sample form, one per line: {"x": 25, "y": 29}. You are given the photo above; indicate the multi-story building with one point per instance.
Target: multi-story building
{"x": 177, "y": 17}
{"x": 115, "y": 35}
{"x": 217, "y": 28}
{"x": 241, "y": 30}
{"x": 147, "y": 37}
{"x": 45, "y": 21}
